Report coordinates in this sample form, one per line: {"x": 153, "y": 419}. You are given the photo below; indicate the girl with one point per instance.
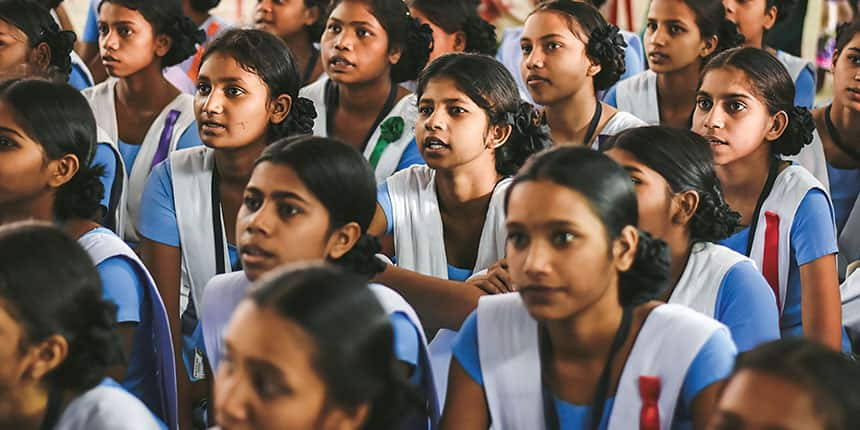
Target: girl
{"x": 456, "y": 26}
{"x": 446, "y": 217}
{"x": 754, "y": 18}
{"x": 49, "y": 134}
{"x": 368, "y": 47}
{"x": 143, "y": 115}
{"x": 212, "y": 25}
{"x": 332, "y": 367}
{"x": 679, "y": 38}
{"x": 32, "y": 43}
{"x": 569, "y": 53}
{"x": 79, "y": 75}
{"x": 247, "y": 96}
{"x": 837, "y": 129}
{"x": 320, "y": 193}
{"x": 58, "y": 338}
{"x": 790, "y": 384}
{"x": 680, "y": 201}
{"x": 571, "y": 349}
{"x": 744, "y": 109}
{"x": 299, "y": 23}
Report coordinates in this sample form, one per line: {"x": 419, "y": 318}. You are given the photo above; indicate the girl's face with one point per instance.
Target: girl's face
{"x": 443, "y": 42}
{"x": 846, "y": 74}
{"x": 277, "y": 215}
{"x": 15, "y": 53}
{"x": 554, "y": 64}
{"x": 232, "y": 105}
{"x": 451, "y": 130}
{"x": 542, "y": 245}
{"x": 672, "y": 37}
{"x": 752, "y": 17}
{"x": 267, "y": 385}
{"x": 284, "y": 18}
{"x": 732, "y": 117}
{"x": 653, "y": 194}
{"x": 755, "y": 400}
{"x": 127, "y": 41}
{"x": 355, "y": 46}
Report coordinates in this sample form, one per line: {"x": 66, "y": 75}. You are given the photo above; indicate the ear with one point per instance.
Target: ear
{"x": 709, "y": 45}
{"x": 63, "y": 170}
{"x": 40, "y": 56}
{"x": 835, "y": 59}
{"x": 163, "y": 43}
{"x": 498, "y": 135}
{"x": 594, "y": 68}
{"x": 684, "y": 206}
{"x": 46, "y": 356}
{"x": 394, "y": 55}
{"x": 280, "y": 108}
{"x": 770, "y": 15}
{"x": 343, "y": 240}
{"x": 312, "y": 14}
{"x": 778, "y": 126}
{"x": 340, "y": 419}
{"x": 459, "y": 41}
{"x": 624, "y": 248}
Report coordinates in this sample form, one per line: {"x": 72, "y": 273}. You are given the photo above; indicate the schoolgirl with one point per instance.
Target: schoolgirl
{"x": 744, "y": 109}
{"x": 33, "y": 44}
{"x": 59, "y": 338}
{"x": 446, "y": 217}
{"x": 320, "y": 193}
{"x": 754, "y": 18}
{"x": 49, "y": 134}
{"x": 680, "y": 36}
{"x": 79, "y": 75}
{"x": 569, "y": 53}
{"x": 331, "y": 368}
{"x": 583, "y": 349}
{"x": 213, "y": 26}
{"x": 456, "y": 26}
{"x": 299, "y": 23}
{"x": 142, "y": 114}
{"x": 367, "y": 48}
{"x": 681, "y": 202}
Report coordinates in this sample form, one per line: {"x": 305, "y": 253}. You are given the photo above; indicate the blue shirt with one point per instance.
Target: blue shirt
{"x": 78, "y": 79}
{"x": 746, "y": 304}
{"x": 91, "y": 28}
{"x": 411, "y": 156}
{"x": 844, "y": 188}
{"x": 713, "y": 363}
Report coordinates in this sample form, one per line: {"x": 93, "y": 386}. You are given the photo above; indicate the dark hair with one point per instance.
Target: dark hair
{"x": 685, "y": 161}
{"x": 268, "y": 57}
{"x": 496, "y": 93}
{"x": 784, "y": 8}
{"x": 845, "y": 32}
{"x": 167, "y": 18}
{"x": 711, "y": 20}
{"x": 772, "y": 84}
{"x": 404, "y": 31}
{"x": 830, "y": 379}
{"x": 352, "y": 335}
{"x": 611, "y": 196}
{"x": 49, "y": 285}
{"x": 343, "y": 181}
{"x": 36, "y": 22}
{"x": 461, "y": 15}
{"x": 604, "y": 45}
{"x": 59, "y": 118}
{"x": 203, "y": 5}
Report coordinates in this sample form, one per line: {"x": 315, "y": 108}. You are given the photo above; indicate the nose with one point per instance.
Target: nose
{"x": 533, "y": 60}
{"x": 714, "y": 119}
{"x": 343, "y": 40}
{"x": 259, "y": 221}
{"x": 659, "y": 36}
{"x": 212, "y": 104}
{"x": 537, "y": 262}
{"x": 730, "y": 8}
{"x": 231, "y": 394}
{"x": 433, "y": 121}
{"x": 109, "y": 41}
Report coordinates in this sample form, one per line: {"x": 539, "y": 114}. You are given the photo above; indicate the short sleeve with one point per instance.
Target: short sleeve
{"x": 804, "y": 94}
{"x": 157, "y": 209}
{"x": 190, "y": 137}
{"x": 121, "y": 285}
{"x": 406, "y": 339}
{"x": 746, "y": 304}
{"x": 713, "y": 363}
{"x": 91, "y": 28}
{"x": 411, "y": 156}
{"x": 466, "y": 348}
{"x": 813, "y": 232}
{"x": 611, "y": 97}
{"x": 105, "y": 157}
{"x": 383, "y": 197}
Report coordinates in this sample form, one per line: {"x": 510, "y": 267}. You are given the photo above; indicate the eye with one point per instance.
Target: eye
{"x": 704, "y": 104}
{"x": 287, "y": 210}
{"x": 233, "y": 91}
{"x": 124, "y": 31}
{"x": 6, "y": 143}
{"x": 552, "y": 46}
{"x": 203, "y": 88}
{"x": 252, "y": 203}
{"x": 635, "y": 180}
{"x": 517, "y": 240}
{"x": 456, "y": 110}
{"x": 676, "y": 29}
{"x": 651, "y": 26}
{"x": 855, "y": 60}
{"x": 103, "y": 29}
{"x": 267, "y": 387}
{"x": 562, "y": 238}
{"x": 362, "y": 33}
{"x": 334, "y": 28}
{"x": 736, "y": 106}
{"x": 425, "y": 110}
{"x": 526, "y": 48}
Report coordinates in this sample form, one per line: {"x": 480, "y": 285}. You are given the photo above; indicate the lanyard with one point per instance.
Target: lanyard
{"x": 331, "y": 101}
{"x": 768, "y": 186}
{"x": 216, "y": 224}
{"x": 592, "y": 126}
{"x": 309, "y": 69}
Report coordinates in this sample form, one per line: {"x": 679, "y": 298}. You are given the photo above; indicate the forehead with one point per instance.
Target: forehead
{"x": 252, "y": 328}
{"x": 9, "y": 30}
{"x": 727, "y": 80}
{"x": 671, "y": 10}
{"x": 443, "y": 88}
{"x": 557, "y": 203}
{"x": 220, "y": 65}
{"x": 113, "y": 12}
{"x": 355, "y": 11}
{"x": 542, "y": 23}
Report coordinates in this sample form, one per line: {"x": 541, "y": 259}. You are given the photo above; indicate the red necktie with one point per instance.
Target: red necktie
{"x": 649, "y": 391}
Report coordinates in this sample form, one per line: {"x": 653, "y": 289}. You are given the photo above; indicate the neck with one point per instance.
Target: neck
{"x": 678, "y": 88}
{"x": 845, "y": 120}
{"x": 679, "y": 248}
{"x": 145, "y": 88}
{"x": 235, "y": 165}
{"x": 755, "y": 41}
{"x": 365, "y": 99}
{"x": 588, "y": 334}
{"x": 40, "y": 208}
{"x": 77, "y": 227}
{"x": 745, "y": 178}
{"x": 569, "y": 119}
{"x": 466, "y": 187}
{"x": 26, "y": 409}
{"x": 301, "y": 48}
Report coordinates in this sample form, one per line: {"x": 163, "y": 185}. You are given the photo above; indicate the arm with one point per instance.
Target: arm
{"x": 121, "y": 286}
{"x": 466, "y": 404}
{"x": 706, "y": 376}
{"x": 820, "y": 302}
{"x": 746, "y": 304}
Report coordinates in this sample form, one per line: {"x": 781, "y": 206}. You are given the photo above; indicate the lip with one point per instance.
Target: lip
{"x": 107, "y": 59}
{"x": 340, "y": 64}
{"x": 262, "y": 23}
{"x": 853, "y": 92}
{"x": 533, "y": 80}
{"x": 540, "y": 293}
{"x": 715, "y": 141}
{"x": 211, "y": 127}
{"x": 253, "y": 255}
{"x": 434, "y": 145}
{"x": 657, "y": 57}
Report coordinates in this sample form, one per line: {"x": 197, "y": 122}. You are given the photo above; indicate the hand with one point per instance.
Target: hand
{"x": 494, "y": 280}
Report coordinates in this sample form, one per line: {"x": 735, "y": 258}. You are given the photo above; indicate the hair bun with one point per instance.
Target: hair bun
{"x": 648, "y": 278}
{"x": 606, "y": 45}
{"x": 529, "y": 135}
{"x": 480, "y": 36}
{"x": 185, "y": 36}
{"x": 301, "y": 117}
{"x": 798, "y": 132}
{"x": 728, "y": 36}
{"x": 61, "y": 43}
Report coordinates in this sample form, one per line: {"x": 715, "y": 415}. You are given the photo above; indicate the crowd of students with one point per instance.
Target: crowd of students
{"x": 368, "y": 214}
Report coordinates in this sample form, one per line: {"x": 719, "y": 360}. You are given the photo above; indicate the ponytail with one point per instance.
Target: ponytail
{"x": 361, "y": 259}
{"x": 648, "y": 277}
{"x": 529, "y": 135}
{"x": 299, "y": 122}
{"x": 797, "y": 134}
{"x": 454, "y": 16}
{"x": 81, "y": 197}
{"x": 480, "y": 36}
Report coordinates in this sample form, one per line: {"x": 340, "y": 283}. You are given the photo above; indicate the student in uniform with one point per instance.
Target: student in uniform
{"x": 299, "y": 23}
{"x": 213, "y": 25}
{"x": 754, "y": 18}
{"x": 332, "y": 367}
{"x": 570, "y": 53}
{"x": 50, "y": 137}
{"x": 247, "y": 96}
{"x": 681, "y": 202}
{"x": 32, "y": 43}
{"x": 59, "y": 338}
{"x": 680, "y": 36}
{"x": 456, "y": 26}
{"x": 583, "y": 349}
{"x": 141, "y": 114}
{"x": 745, "y": 110}
{"x": 320, "y": 193}
{"x": 790, "y": 384}
{"x": 368, "y": 48}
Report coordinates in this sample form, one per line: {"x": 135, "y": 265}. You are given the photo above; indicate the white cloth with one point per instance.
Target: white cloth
{"x": 703, "y": 275}
{"x": 849, "y": 240}
{"x": 510, "y": 362}
{"x": 106, "y": 408}
{"x": 619, "y": 122}
{"x": 812, "y": 158}
{"x": 794, "y": 65}
{"x": 637, "y": 95}
{"x": 406, "y": 108}
{"x": 102, "y": 100}
{"x": 850, "y": 290}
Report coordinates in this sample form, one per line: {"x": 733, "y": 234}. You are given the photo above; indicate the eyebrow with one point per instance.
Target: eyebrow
{"x": 9, "y": 130}
{"x": 116, "y": 22}
{"x": 229, "y": 79}
{"x": 287, "y": 195}
{"x": 266, "y": 366}
{"x": 352, "y": 22}
{"x": 448, "y": 100}
{"x": 632, "y": 169}
{"x": 857, "y": 50}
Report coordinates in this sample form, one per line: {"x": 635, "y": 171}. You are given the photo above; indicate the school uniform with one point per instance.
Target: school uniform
{"x": 812, "y": 158}
{"x": 107, "y": 407}
{"x": 850, "y": 290}
{"x": 802, "y": 73}
{"x": 849, "y": 240}
{"x": 637, "y": 95}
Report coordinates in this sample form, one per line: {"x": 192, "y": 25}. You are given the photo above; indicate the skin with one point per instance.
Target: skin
{"x": 845, "y": 110}
{"x": 443, "y": 42}
{"x": 675, "y": 48}
{"x": 17, "y": 58}
{"x": 560, "y": 76}
{"x": 464, "y": 161}
{"x": 741, "y": 131}
{"x": 274, "y": 385}
{"x": 288, "y": 20}
{"x": 579, "y": 309}
{"x": 756, "y": 400}
{"x": 358, "y": 56}
{"x": 753, "y": 18}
